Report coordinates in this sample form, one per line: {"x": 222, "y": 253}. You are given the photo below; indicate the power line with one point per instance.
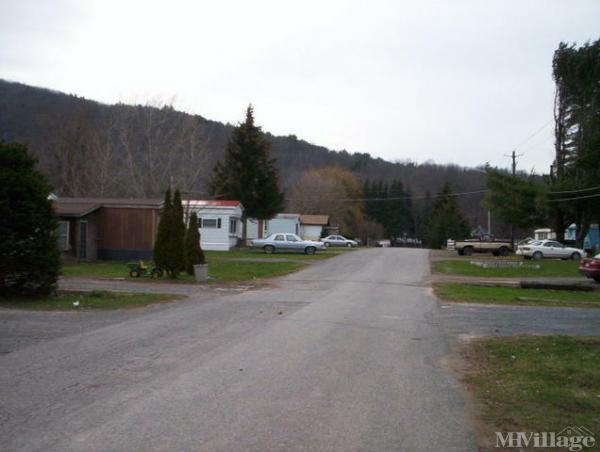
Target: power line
{"x": 575, "y": 191}
{"x": 533, "y": 134}
{"x": 439, "y": 195}
{"x": 574, "y": 199}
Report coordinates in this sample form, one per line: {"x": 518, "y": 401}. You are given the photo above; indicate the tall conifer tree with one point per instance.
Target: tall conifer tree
{"x": 177, "y": 239}
{"x": 193, "y": 251}
{"x": 446, "y": 220}
{"x": 161, "y": 245}
{"x": 248, "y": 174}
{"x": 29, "y": 252}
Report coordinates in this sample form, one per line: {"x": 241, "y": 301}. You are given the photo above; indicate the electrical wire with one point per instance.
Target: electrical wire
{"x": 439, "y": 195}
{"x": 574, "y": 199}
{"x": 574, "y": 191}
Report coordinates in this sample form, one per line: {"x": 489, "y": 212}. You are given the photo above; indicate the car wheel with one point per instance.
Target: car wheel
{"x": 310, "y": 250}
{"x": 349, "y": 245}
{"x": 327, "y": 245}
{"x": 134, "y": 273}
{"x": 575, "y": 257}
{"x": 156, "y": 274}
{"x": 269, "y": 249}
{"x": 503, "y": 251}
{"x": 537, "y": 255}
{"x": 468, "y": 250}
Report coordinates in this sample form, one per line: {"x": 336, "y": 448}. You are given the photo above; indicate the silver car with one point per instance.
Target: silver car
{"x": 541, "y": 249}
{"x": 282, "y": 242}
{"x": 338, "y": 240}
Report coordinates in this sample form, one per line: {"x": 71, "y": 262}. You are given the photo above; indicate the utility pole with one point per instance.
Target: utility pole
{"x": 513, "y": 156}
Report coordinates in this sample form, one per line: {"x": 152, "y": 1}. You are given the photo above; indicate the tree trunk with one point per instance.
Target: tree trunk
{"x": 244, "y": 230}
{"x": 559, "y": 226}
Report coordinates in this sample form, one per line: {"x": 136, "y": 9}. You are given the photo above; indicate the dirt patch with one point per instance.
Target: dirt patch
{"x": 457, "y": 364}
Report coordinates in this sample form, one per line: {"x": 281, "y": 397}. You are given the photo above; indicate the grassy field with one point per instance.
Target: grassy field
{"x": 222, "y": 270}
{"x": 245, "y": 253}
{"x": 533, "y": 383}
{"x": 87, "y": 301}
{"x": 517, "y": 296}
{"x": 223, "y": 266}
{"x": 555, "y": 268}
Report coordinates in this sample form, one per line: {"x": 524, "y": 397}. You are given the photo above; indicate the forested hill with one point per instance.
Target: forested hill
{"x": 89, "y": 148}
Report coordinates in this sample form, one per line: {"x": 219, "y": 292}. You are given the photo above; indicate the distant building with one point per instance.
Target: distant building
{"x": 107, "y": 228}
{"x": 590, "y": 242}
{"x": 220, "y": 223}
{"x": 311, "y": 226}
{"x": 282, "y": 222}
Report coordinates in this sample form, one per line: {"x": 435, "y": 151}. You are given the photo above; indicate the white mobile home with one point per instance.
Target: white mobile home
{"x": 219, "y": 221}
{"x": 311, "y": 226}
{"x": 282, "y": 222}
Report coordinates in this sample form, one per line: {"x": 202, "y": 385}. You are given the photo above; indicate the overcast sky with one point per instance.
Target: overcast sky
{"x": 451, "y": 81}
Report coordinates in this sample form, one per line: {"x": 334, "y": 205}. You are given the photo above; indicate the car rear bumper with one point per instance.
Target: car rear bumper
{"x": 590, "y": 272}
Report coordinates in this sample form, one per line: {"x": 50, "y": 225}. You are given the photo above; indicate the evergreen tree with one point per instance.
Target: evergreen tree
{"x": 446, "y": 220}
{"x": 397, "y": 224}
{"x": 30, "y": 257}
{"x": 177, "y": 239}
{"x": 162, "y": 244}
{"x": 193, "y": 251}
{"x": 248, "y": 174}
{"x": 409, "y": 218}
{"x": 576, "y": 167}
{"x": 517, "y": 201}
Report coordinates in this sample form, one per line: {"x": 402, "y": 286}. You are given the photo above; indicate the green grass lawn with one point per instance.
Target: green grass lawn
{"x": 555, "y": 268}
{"x": 87, "y": 301}
{"x": 243, "y": 253}
{"x": 517, "y": 296}
{"x": 534, "y": 383}
{"x": 222, "y": 270}
{"x": 223, "y": 266}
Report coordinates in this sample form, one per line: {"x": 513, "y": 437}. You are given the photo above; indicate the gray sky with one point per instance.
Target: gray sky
{"x": 452, "y": 81}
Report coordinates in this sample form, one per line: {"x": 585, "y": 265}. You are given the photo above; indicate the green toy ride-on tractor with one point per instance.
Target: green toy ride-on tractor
{"x": 137, "y": 269}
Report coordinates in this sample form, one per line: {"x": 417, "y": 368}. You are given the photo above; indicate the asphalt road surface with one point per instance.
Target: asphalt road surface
{"x": 340, "y": 357}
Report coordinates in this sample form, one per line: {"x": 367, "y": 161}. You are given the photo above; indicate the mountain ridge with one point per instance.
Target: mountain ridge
{"x": 139, "y": 148}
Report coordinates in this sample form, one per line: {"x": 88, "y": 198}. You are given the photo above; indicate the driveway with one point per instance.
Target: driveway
{"x": 340, "y": 357}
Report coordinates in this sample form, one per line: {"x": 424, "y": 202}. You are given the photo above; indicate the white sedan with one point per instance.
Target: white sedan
{"x": 541, "y": 249}
{"x": 338, "y": 240}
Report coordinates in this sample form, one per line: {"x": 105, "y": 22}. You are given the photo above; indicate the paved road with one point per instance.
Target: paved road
{"x": 338, "y": 358}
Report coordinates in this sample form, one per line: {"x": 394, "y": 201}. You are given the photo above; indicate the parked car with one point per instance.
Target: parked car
{"x": 486, "y": 244}
{"x": 541, "y": 249}
{"x": 338, "y": 240}
{"x": 591, "y": 268}
{"x": 280, "y": 242}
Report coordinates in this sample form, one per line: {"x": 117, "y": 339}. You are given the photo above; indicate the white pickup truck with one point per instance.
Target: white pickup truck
{"x": 482, "y": 245}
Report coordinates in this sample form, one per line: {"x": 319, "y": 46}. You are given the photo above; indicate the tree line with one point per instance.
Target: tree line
{"x": 570, "y": 192}
{"x": 91, "y": 149}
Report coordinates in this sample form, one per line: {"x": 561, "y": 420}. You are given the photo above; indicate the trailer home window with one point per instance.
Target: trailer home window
{"x": 232, "y": 225}
{"x": 62, "y": 234}
{"x": 214, "y": 223}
